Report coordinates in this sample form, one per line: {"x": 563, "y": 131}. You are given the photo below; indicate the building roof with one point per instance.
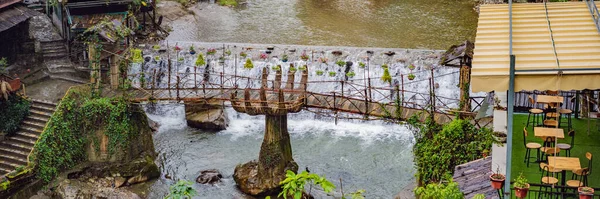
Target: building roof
{"x": 566, "y": 28}
{"x": 473, "y": 178}
{"x": 13, "y": 15}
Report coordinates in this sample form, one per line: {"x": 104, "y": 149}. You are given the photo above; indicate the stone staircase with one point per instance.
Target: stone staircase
{"x": 57, "y": 62}
{"x": 15, "y": 149}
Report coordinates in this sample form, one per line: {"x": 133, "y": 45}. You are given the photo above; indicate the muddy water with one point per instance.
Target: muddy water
{"x": 429, "y": 24}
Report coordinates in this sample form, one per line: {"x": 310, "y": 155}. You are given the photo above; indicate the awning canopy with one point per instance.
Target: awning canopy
{"x": 569, "y": 27}
{"x": 14, "y": 15}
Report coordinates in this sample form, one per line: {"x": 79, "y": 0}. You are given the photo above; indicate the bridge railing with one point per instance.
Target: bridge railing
{"x": 157, "y": 79}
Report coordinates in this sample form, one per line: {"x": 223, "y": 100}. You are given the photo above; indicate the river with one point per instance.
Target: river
{"x": 371, "y": 155}
{"x": 374, "y": 156}
{"x": 422, "y": 24}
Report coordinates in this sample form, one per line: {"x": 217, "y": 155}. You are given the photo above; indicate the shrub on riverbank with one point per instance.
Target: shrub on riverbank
{"x": 75, "y": 125}
{"x": 439, "y": 148}
{"x": 228, "y": 2}
{"x": 14, "y": 110}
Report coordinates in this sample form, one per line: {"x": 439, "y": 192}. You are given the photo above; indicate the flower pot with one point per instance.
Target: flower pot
{"x": 585, "y": 195}
{"x": 284, "y": 60}
{"x": 497, "y": 183}
{"x": 521, "y": 193}
{"x": 192, "y": 52}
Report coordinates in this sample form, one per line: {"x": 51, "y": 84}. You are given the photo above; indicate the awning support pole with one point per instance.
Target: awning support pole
{"x": 510, "y": 104}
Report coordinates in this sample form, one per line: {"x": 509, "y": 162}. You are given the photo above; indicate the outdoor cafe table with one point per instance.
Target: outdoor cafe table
{"x": 549, "y": 132}
{"x": 564, "y": 164}
{"x": 549, "y": 99}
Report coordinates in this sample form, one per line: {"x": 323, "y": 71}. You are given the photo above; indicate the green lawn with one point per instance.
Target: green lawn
{"x": 583, "y": 144}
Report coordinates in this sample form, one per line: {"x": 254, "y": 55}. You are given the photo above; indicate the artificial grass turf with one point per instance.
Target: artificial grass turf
{"x": 583, "y": 143}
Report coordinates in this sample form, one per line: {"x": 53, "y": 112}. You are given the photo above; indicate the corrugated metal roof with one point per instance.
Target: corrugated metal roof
{"x": 575, "y": 35}
{"x": 11, "y": 16}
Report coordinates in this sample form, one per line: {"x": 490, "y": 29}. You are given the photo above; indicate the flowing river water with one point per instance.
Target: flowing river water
{"x": 423, "y": 24}
{"x": 372, "y": 155}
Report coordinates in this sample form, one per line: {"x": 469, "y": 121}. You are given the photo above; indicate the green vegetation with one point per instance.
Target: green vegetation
{"x": 228, "y": 2}
{"x": 440, "y": 148}
{"x": 411, "y": 76}
{"x": 293, "y": 69}
{"x": 340, "y": 63}
{"x": 293, "y": 185}
{"x": 351, "y": 74}
{"x": 302, "y": 68}
{"x": 276, "y": 68}
{"x": 583, "y": 143}
{"x": 3, "y": 65}
{"x": 386, "y": 76}
{"x": 361, "y": 64}
{"x": 319, "y": 72}
{"x": 332, "y": 73}
{"x": 439, "y": 190}
{"x": 181, "y": 190}
{"x": 200, "y": 60}
{"x": 14, "y": 110}
{"x": 136, "y": 55}
{"x": 520, "y": 182}
{"x": 384, "y": 66}
{"x": 248, "y": 64}
{"x": 77, "y": 118}
{"x": 243, "y": 54}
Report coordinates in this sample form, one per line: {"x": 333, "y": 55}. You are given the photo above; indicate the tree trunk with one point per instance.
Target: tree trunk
{"x": 464, "y": 84}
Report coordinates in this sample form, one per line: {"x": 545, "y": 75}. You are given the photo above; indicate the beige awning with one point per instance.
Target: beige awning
{"x": 576, "y": 40}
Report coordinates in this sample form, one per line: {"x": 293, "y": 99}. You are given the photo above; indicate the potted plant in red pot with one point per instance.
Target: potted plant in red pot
{"x": 521, "y": 186}
{"x": 497, "y": 179}
{"x": 585, "y": 192}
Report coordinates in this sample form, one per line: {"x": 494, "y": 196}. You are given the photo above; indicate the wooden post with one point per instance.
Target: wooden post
{"x": 153, "y": 83}
{"x": 177, "y": 88}
{"x": 335, "y": 109}
{"x": 342, "y": 88}
{"x": 398, "y": 101}
{"x": 402, "y": 84}
{"x": 95, "y": 75}
{"x": 366, "y": 115}
{"x": 114, "y": 72}
{"x": 369, "y": 87}
{"x": 432, "y": 86}
{"x": 464, "y": 84}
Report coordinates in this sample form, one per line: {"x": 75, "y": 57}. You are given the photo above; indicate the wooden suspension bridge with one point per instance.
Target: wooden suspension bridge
{"x": 263, "y": 96}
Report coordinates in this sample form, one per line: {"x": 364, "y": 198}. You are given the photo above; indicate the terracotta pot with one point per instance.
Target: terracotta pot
{"x": 521, "y": 193}
{"x": 497, "y": 183}
{"x": 587, "y": 195}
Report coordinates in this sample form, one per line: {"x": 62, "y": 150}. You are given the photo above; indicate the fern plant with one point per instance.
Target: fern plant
{"x": 293, "y": 185}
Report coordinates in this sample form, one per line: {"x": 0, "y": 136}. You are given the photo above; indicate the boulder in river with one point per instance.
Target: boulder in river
{"x": 206, "y": 116}
{"x": 210, "y": 176}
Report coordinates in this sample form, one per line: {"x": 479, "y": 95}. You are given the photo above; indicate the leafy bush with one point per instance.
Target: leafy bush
{"x": 293, "y": 185}
{"x": 14, "y": 110}
{"x": 319, "y": 72}
{"x": 228, "y": 2}
{"x": 181, "y": 190}
{"x": 439, "y": 190}
{"x": 438, "y": 150}
{"x": 340, "y": 63}
{"x": 62, "y": 144}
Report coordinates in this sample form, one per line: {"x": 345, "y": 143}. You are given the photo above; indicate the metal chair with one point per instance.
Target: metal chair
{"x": 549, "y": 151}
{"x": 529, "y": 146}
{"x": 588, "y": 155}
{"x": 579, "y": 180}
{"x": 567, "y": 147}
{"x": 537, "y": 113}
{"x": 547, "y": 179}
{"x": 568, "y": 113}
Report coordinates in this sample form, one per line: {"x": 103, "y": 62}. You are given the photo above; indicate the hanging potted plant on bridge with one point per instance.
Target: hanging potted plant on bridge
{"x": 585, "y": 192}
{"x": 276, "y": 68}
{"x": 248, "y": 64}
{"x": 200, "y": 61}
{"x": 361, "y": 64}
{"x": 211, "y": 51}
{"x": 243, "y": 54}
{"x": 351, "y": 74}
{"x": 411, "y": 76}
{"x": 192, "y": 50}
{"x": 302, "y": 68}
{"x": 284, "y": 58}
{"x": 319, "y": 72}
{"x": 304, "y": 57}
{"x": 332, "y": 73}
{"x": 264, "y": 56}
{"x": 340, "y": 63}
{"x": 386, "y": 76}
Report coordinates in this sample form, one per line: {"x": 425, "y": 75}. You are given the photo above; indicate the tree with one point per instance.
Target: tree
{"x": 248, "y": 64}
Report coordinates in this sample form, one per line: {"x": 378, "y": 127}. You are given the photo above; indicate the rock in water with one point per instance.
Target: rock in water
{"x": 210, "y": 176}
{"x": 206, "y": 116}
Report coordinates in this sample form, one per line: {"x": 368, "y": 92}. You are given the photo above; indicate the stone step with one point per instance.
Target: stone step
{"x": 6, "y": 151}
{"x": 55, "y": 55}
{"x": 4, "y": 171}
{"x": 57, "y": 71}
{"x": 44, "y": 102}
{"x": 37, "y": 118}
{"x": 52, "y": 43}
{"x": 24, "y": 140}
{"x": 39, "y": 113}
{"x": 53, "y": 46}
{"x": 33, "y": 123}
{"x": 39, "y": 107}
{"x": 17, "y": 146}
{"x": 69, "y": 78}
{"x": 12, "y": 161}
{"x": 54, "y": 49}
{"x": 32, "y": 128}
{"x": 28, "y": 132}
